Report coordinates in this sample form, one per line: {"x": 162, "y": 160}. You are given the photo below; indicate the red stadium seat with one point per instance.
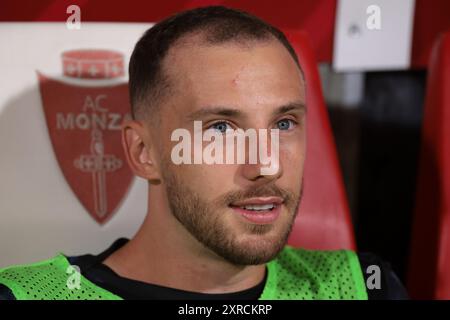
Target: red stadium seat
{"x": 323, "y": 221}
{"x": 429, "y": 267}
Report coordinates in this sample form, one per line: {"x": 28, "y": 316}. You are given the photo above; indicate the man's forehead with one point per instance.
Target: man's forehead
{"x": 193, "y": 57}
{"x": 234, "y": 77}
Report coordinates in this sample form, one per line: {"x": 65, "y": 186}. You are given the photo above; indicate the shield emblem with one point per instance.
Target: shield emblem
{"x": 84, "y": 119}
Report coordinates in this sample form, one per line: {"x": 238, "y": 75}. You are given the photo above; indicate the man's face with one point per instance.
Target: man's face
{"x": 216, "y": 202}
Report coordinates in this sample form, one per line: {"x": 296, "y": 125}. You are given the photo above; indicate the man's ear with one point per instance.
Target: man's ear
{"x": 137, "y": 145}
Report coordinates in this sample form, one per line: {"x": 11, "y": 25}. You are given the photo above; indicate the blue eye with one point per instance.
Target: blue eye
{"x": 284, "y": 124}
{"x": 221, "y": 126}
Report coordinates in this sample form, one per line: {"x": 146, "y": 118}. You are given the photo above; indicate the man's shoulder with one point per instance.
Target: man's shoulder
{"x": 375, "y": 273}
{"x": 23, "y": 278}
{"x": 51, "y": 279}
{"x": 17, "y": 271}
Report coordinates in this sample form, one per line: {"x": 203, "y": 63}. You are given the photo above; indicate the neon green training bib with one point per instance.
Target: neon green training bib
{"x": 296, "y": 274}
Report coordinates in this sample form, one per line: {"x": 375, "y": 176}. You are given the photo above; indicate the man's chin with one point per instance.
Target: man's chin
{"x": 254, "y": 253}
{"x": 257, "y": 245}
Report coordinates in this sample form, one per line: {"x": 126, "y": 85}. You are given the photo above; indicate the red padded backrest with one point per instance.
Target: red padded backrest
{"x": 323, "y": 221}
{"x": 429, "y": 267}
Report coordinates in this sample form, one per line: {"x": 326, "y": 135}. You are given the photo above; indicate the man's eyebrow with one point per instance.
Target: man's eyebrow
{"x": 293, "y": 106}
{"x": 230, "y": 112}
{"x": 215, "y": 111}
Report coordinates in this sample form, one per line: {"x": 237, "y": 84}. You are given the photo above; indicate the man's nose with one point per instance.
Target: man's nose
{"x": 262, "y": 172}
{"x": 252, "y": 172}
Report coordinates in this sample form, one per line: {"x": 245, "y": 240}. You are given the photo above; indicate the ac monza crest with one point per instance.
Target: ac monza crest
{"x": 84, "y": 118}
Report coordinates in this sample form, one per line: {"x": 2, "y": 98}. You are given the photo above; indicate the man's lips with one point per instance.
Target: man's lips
{"x": 261, "y": 210}
{"x": 258, "y": 201}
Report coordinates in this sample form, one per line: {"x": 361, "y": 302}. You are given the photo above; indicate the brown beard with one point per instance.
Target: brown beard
{"x": 201, "y": 220}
